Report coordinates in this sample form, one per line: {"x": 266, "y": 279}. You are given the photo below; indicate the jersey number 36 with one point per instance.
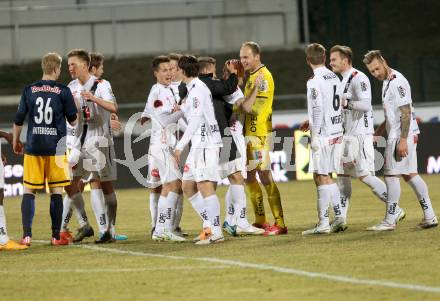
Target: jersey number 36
{"x": 46, "y": 114}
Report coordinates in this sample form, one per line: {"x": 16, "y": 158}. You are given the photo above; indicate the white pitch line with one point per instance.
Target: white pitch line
{"x": 113, "y": 270}
{"x": 235, "y": 263}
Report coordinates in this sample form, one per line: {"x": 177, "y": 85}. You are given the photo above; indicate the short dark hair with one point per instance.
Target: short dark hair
{"x": 81, "y": 54}
{"x": 155, "y": 63}
{"x": 189, "y": 65}
{"x": 253, "y": 46}
{"x": 96, "y": 59}
{"x": 344, "y": 51}
{"x": 315, "y": 54}
{"x": 205, "y": 61}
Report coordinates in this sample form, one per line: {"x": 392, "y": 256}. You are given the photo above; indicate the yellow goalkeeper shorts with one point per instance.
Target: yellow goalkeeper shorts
{"x": 38, "y": 169}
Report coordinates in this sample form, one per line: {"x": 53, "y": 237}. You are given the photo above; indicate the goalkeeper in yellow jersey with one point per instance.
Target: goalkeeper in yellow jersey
{"x": 258, "y": 131}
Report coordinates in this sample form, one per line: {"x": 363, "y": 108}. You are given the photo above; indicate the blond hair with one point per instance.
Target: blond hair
{"x": 50, "y": 62}
{"x": 371, "y": 55}
{"x": 344, "y": 51}
{"x": 255, "y": 48}
{"x": 315, "y": 54}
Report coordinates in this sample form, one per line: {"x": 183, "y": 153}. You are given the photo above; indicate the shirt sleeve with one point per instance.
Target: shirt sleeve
{"x": 401, "y": 90}
{"x": 191, "y": 129}
{"x": 149, "y": 104}
{"x": 362, "y": 89}
{"x": 264, "y": 97}
{"x": 70, "y": 109}
{"x": 316, "y": 112}
{"x": 22, "y": 109}
{"x": 195, "y": 102}
{"x": 105, "y": 92}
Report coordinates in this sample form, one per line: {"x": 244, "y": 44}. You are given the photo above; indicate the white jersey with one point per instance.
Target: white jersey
{"x": 175, "y": 87}
{"x": 237, "y": 126}
{"x": 199, "y": 105}
{"x": 396, "y": 93}
{"x": 324, "y": 104}
{"x": 160, "y": 103}
{"x": 96, "y": 117}
{"x": 357, "y": 85}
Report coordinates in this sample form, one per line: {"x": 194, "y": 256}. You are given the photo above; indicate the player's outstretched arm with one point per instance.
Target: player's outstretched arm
{"x": 248, "y": 103}
{"x": 106, "y": 105}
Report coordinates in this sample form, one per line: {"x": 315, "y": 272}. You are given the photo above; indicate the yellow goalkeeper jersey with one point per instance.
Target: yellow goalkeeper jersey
{"x": 259, "y": 122}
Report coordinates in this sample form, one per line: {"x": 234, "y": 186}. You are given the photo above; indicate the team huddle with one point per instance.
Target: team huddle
{"x": 205, "y": 129}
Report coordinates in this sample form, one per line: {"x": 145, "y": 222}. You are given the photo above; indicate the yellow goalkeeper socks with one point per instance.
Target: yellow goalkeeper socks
{"x": 256, "y": 197}
{"x": 273, "y": 195}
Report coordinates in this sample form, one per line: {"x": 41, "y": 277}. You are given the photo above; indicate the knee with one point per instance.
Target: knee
{"x": 236, "y": 179}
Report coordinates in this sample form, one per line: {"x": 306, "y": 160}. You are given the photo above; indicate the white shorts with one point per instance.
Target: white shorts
{"x": 2, "y": 175}
{"x": 97, "y": 163}
{"x": 357, "y": 158}
{"x": 406, "y": 165}
{"x": 202, "y": 164}
{"x": 327, "y": 159}
{"x": 241, "y": 146}
{"x": 231, "y": 167}
{"x": 162, "y": 167}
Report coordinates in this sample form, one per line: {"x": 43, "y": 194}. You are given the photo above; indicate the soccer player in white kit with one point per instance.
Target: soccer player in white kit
{"x": 92, "y": 152}
{"x": 96, "y": 68}
{"x": 401, "y": 148}
{"x": 176, "y": 81}
{"x": 163, "y": 111}
{"x": 358, "y": 150}
{"x": 325, "y": 119}
{"x": 236, "y": 222}
{"x": 200, "y": 174}
{"x": 5, "y": 242}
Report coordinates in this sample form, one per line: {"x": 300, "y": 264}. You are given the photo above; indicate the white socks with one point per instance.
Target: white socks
{"x": 335, "y": 200}
{"x": 171, "y": 203}
{"x": 377, "y": 186}
{"x": 98, "y": 206}
{"x": 213, "y": 207}
{"x": 344, "y": 185}
{"x": 393, "y": 192}
{"x": 67, "y": 212}
{"x": 239, "y": 204}
{"x": 178, "y": 212}
{"x": 421, "y": 190}
{"x": 161, "y": 215}
{"x": 229, "y": 207}
{"x": 111, "y": 204}
{"x": 3, "y": 231}
{"x": 78, "y": 205}
{"x": 154, "y": 199}
{"x": 198, "y": 204}
{"x": 324, "y": 196}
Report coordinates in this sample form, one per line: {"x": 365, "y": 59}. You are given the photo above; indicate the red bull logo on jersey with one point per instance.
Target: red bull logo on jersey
{"x": 46, "y": 88}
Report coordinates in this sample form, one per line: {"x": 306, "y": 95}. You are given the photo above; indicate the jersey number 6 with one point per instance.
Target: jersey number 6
{"x": 336, "y": 100}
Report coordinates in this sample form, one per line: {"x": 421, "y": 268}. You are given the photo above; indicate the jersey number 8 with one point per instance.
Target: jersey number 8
{"x": 47, "y": 115}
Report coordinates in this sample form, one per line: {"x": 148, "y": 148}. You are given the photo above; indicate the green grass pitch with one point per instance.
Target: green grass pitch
{"x": 244, "y": 268}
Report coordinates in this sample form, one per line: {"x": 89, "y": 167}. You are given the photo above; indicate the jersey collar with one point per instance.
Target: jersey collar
{"x": 258, "y": 69}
